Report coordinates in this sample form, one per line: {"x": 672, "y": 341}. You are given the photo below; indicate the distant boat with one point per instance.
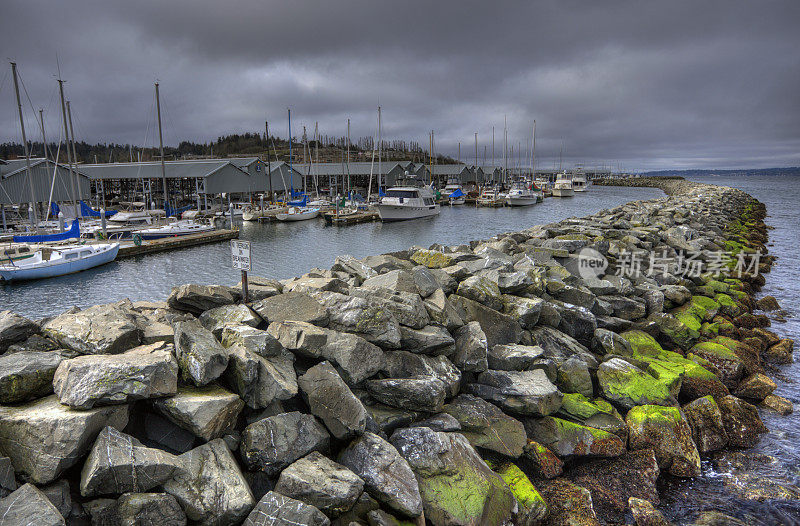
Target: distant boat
{"x": 491, "y": 197}
{"x": 454, "y": 192}
{"x": 298, "y": 214}
{"x": 175, "y": 229}
{"x": 579, "y": 181}
{"x": 408, "y": 199}
{"x": 563, "y": 186}
{"x": 522, "y": 193}
{"x": 49, "y": 262}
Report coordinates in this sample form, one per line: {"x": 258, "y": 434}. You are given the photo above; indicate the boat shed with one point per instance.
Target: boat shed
{"x": 328, "y": 174}
{"x": 466, "y": 174}
{"x": 15, "y": 189}
{"x": 491, "y": 173}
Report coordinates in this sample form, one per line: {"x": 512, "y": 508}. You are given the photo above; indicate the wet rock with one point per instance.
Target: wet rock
{"x": 354, "y": 357}
{"x": 422, "y": 393}
{"x": 102, "y": 329}
{"x": 567, "y": 503}
{"x": 532, "y": 507}
{"x": 442, "y": 312}
{"x": 254, "y": 340}
{"x": 404, "y": 364}
{"x": 439, "y": 422}
{"x": 274, "y": 442}
{"x": 28, "y": 505}
{"x": 43, "y": 438}
{"x": 540, "y": 461}
{"x": 406, "y": 307}
{"x": 705, "y": 419}
{"x": 396, "y": 280}
{"x": 716, "y": 518}
{"x": 781, "y": 352}
{"x": 275, "y": 509}
{"x": 27, "y": 375}
{"x": 386, "y": 475}
{"x": 118, "y": 463}
{"x": 645, "y": 514}
{"x": 755, "y": 387}
{"x": 729, "y": 365}
{"x": 574, "y": 377}
{"x": 14, "y": 329}
{"x": 150, "y": 509}
{"x": 568, "y": 439}
{"x": 228, "y": 315}
{"x": 322, "y": 483}
{"x": 331, "y": 400}
{"x": 625, "y": 307}
{"x": 201, "y": 358}
{"x": 359, "y": 316}
{"x": 486, "y": 426}
{"x": 499, "y": 328}
{"x": 675, "y": 295}
{"x": 668, "y": 434}
{"x": 388, "y": 418}
{"x": 260, "y": 381}
{"x": 525, "y": 310}
{"x": 627, "y": 385}
{"x": 470, "y": 345}
{"x": 514, "y": 357}
{"x": 200, "y": 298}
{"x": 741, "y": 421}
{"x": 608, "y": 342}
{"x": 613, "y": 482}
{"x": 433, "y": 340}
{"x": 596, "y": 413}
{"x": 520, "y": 392}
{"x": 456, "y": 485}
{"x": 210, "y": 487}
{"x": 292, "y": 306}
{"x": 143, "y": 373}
{"x": 208, "y": 411}
{"x": 561, "y": 347}
{"x": 768, "y": 304}
{"x": 778, "y": 404}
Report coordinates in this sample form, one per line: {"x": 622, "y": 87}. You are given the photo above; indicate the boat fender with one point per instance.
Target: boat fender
{"x": 137, "y": 240}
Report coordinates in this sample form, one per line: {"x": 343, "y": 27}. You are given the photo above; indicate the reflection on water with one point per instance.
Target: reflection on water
{"x": 283, "y": 250}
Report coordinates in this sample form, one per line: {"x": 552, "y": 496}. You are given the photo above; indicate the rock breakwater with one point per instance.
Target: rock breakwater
{"x": 547, "y": 376}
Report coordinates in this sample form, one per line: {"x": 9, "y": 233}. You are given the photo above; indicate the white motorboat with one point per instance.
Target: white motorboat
{"x": 579, "y": 181}
{"x": 296, "y": 213}
{"x": 522, "y": 193}
{"x": 453, "y": 192}
{"x": 183, "y": 227}
{"x": 256, "y": 213}
{"x": 491, "y": 196}
{"x": 563, "y": 185}
{"x": 408, "y": 199}
{"x": 49, "y": 262}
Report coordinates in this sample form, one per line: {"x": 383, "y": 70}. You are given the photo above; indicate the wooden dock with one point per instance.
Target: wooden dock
{"x": 350, "y": 219}
{"x": 129, "y": 249}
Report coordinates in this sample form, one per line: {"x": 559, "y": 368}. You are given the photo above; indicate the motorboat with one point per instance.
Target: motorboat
{"x": 453, "y": 192}
{"x": 563, "y": 185}
{"x": 408, "y": 199}
{"x": 183, "y": 227}
{"x": 137, "y": 214}
{"x": 490, "y": 196}
{"x": 49, "y": 262}
{"x": 522, "y": 193}
{"x": 256, "y": 213}
{"x": 579, "y": 181}
{"x": 297, "y": 213}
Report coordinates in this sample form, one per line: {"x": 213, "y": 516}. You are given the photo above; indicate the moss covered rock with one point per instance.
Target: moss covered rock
{"x": 627, "y": 385}
{"x": 729, "y": 365}
{"x": 597, "y": 413}
{"x": 568, "y": 439}
{"x": 431, "y": 259}
{"x": 741, "y": 420}
{"x": 568, "y": 504}
{"x": 668, "y": 434}
{"x": 705, "y": 419}
{"x": 540, "y": 461}
{"x": 681, "y": 327}
{"x": 532, "y": 507}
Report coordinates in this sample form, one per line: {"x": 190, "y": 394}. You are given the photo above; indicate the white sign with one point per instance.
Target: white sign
{"x": 240, "y": 251}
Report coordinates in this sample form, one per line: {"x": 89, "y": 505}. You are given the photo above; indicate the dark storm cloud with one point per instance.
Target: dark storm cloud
{"x": 642, "y": 84}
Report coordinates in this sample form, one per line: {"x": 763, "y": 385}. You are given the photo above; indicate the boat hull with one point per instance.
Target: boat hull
{"x": 390, "y": 213}
{"x": 68, "y": 267}
{"x": 457, "y": 200}
{"x": 297, "y": 217}
{"x": 521, "y": 201}
{"x": 563, "y": 192}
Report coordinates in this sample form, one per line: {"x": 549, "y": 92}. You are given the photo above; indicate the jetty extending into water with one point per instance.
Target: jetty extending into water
{"x": 550, "y": 375}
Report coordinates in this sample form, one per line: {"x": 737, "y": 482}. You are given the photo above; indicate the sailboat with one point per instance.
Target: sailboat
{"x": 50, "y": 262}
{"x": 453, "y": 192}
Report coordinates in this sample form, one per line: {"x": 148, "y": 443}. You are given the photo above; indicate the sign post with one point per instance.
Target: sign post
{"x": 240, "y": 254}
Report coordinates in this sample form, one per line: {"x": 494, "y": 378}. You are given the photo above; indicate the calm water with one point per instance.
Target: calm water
{"x": 685, "y": 500}
{"x": 284, "y": 250}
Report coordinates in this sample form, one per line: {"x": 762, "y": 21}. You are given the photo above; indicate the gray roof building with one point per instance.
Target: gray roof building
{"x": 15, "y": 189}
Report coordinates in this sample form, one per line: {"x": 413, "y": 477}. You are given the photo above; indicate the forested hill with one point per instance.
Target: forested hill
{"x": 759, "y": 171}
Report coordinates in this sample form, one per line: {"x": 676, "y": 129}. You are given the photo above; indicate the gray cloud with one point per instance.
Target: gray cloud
{"x": 643, "y": 84}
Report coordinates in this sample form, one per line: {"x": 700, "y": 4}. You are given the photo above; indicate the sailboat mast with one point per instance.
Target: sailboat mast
{"x": 291, "y": 181}
{"x": 476, "y": 158}
{"x": 44, "y": 138}
{"x": 35, "y": 217}
{"x": 533, "y": 153}
{"x": 161, "y": 151}
{"x": 269, "y": 161}
{"x": 380, "y": 141}
{"x": 348, "y": 155}
{"x": 74, "y": 155}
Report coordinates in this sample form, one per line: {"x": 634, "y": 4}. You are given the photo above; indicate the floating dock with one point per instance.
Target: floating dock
{"x": 350, "y": 219}
{"x": 129, "y": 249}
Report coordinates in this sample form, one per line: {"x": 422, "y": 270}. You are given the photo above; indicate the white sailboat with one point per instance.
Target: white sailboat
{"x": 49, "y": 262}
{"x": 408, "y": 199}
{"x": 296, "y": 213}
{"x": 183, "y": 227}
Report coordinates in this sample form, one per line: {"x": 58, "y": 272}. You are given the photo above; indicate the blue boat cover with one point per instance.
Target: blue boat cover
{"x": 54, "y": 209}
{"x": 381, "y": 193}
{"x": 296, "y": 193}
{"x": 299, "y": 202}
{"x": 457, "y": 193}
{"x": 86, "y": 211}
{"x": 73, "y": 232}
{"x": 175, "y": 212}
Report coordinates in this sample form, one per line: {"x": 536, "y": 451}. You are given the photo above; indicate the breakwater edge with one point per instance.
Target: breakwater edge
{"x": 567, "y": 372}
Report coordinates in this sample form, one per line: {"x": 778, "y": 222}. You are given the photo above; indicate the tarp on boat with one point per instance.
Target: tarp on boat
{"x": 176, "y": 211}
{"x": 457, "y": 193}
{"x": 54, "y": 209}
{"x": 73, "y": 232}
{"x": 86, "y": 211}
{"x": 299, "y": 202}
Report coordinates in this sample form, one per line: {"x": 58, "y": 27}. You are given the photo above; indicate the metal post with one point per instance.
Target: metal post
{"x": 103, "y": 222}
{"x": 74, "y": 155}
{"x": 161, "y": 150}
{"x": 245, "y": 292}
{"x": 34, "y": 218}
{"x": 60, "y": 221}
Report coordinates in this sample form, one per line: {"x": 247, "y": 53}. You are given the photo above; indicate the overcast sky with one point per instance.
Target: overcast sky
{"x": 641, "y": 84}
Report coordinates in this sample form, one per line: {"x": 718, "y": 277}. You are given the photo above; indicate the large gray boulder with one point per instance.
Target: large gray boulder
{"x": 432, "y": 339}
{"x": 260, "y": 381}
{"x": 14, "y": 329}
{"x": 27, "y": 375}
{"x": 499, "y": 328}
{"x": 275, "y": 509}
{"x": 210, "y": 486}
{"x": 150, "y": 509}
{"x": 322, "y": 483}
{"x": 482, "y": 290}
{"x": 406, "y": 307}
{"x": 43, "y": 438}
{"x": 404, "y": 364}
{"x": 254, "y": 340}
{"x": 87, "y": 381}
{"x": 441, "y": 311}
{"x": 560, "y": 346}
{"x": 294, "y": 306}
{"x": 397, "y": 280}
{"x": 102, "y": 329}
{"x": 368, "y": 319}
{"x": 118, "y": 463}
{"x": 329, "y": 398}
{"x": 514, "y": 357}
{"x": 471, "y": 348}
{"x": 272, "y": 443}
{"x": 354, "y": 267}
{"x": 525, "y": 310}
{"x": 218, "y": 318}
{"x": 201, "y": 357}
{"x": 28, "y": 505}
{"x": 200, "y": 298}
{"x": 519, "y": 392}
{"x": 486, "y": 426}
{"x": 422, "y": 393}
{"x": 386, "y": 475}
{"x": 208, "y": 411}
{"x": 355, "y": 358}
{"x": 473, "y": 493}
